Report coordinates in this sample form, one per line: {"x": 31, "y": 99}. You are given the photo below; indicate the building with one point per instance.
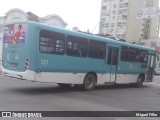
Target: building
{"x": 17, "y": 14}
{"x": 54, "y": 20}
{"x": 153, "y": 43}
{"x": 118, "y": 18}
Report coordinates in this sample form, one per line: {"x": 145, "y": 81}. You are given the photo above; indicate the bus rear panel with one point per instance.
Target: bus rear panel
{"x": 16, "y": 51}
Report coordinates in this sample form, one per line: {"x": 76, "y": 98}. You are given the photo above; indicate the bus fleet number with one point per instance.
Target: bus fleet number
{"x": 44, "y": 62}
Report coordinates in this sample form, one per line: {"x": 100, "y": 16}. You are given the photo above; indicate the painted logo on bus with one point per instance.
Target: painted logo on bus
{"x": 15, "y": 33}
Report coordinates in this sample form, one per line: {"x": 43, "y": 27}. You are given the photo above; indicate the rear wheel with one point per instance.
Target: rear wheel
{"x": 64, "y": 85}
{"x": 89, "y": 82}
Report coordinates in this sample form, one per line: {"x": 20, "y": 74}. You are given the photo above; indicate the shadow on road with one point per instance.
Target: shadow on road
{"x": 58, "y": 90}
{"x": 118, "y": 86}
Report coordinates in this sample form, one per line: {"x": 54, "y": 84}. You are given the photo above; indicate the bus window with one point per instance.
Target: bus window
{"x": 124, "y": 53}
{"x": 157, "y": 57}
{"x": 143, "y": 56}
{"x": 97, "y": 49}
{"x": 51, "y": 42}
{"x": 76, "y": 46}
{"x": 133, "y": 55}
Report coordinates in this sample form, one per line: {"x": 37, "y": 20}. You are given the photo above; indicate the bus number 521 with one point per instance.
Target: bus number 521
{"x": 44, "y": 62}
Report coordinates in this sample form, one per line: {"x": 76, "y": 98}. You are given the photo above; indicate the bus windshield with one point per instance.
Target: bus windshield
{"x": 15, "y": 34}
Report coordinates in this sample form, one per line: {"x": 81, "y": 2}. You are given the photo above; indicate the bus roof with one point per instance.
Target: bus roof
{"x": 90, "y": 36}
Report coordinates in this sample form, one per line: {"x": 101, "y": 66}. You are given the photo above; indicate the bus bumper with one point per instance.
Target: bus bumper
{"x": 27, "y": 75}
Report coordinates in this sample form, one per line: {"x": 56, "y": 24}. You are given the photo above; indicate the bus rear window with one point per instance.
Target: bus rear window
{"x": 15, "y": 33}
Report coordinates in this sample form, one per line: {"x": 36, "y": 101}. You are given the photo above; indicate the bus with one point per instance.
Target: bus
{"x": 38, "y": 52}
{"x": 0, "y": 55}
{"x": 157, "y": 68}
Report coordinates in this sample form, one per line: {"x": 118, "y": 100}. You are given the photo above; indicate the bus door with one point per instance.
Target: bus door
{"x": 151, "y": 66}
{"x": 113, "y": 62}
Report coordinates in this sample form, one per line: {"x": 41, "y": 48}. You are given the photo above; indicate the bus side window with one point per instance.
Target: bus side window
{"x": 51, "y": 42}
{"x": 76, "y": 46}
{"x": 143, "y": 56}
{"x": 124, "y": 53}
{"x": 133, "y": 55}
{"x": 157, "y": 57}
{"x": 101, "y": 52}
{"x": 97, "y": 49}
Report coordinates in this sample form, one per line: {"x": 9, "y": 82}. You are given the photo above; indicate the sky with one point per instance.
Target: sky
{"x": 84, "y": 14}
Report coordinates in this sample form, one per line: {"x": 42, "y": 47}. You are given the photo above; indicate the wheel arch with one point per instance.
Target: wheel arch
{"x": 142, "y": 75}
{"x": 94, "y": 73}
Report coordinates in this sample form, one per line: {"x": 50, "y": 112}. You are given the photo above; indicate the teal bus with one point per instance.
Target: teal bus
{"x": 38, "y": 52}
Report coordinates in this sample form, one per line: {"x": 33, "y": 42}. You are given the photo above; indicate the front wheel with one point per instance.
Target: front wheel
{"x": 89, "y": 82}
{"x": 140, "y": 81}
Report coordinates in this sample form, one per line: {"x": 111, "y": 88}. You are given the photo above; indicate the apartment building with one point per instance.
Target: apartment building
{"x": 118, "y": 18}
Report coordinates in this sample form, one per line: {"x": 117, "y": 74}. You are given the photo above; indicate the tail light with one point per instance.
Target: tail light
{"x": 26, "y": 65}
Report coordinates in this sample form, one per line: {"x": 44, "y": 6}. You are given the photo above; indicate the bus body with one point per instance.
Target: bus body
{"x": 0, "y": 56}
{"x": 0, "y": 64}
{"x": 50, "y": 54}
{"x": 157, "y": 67}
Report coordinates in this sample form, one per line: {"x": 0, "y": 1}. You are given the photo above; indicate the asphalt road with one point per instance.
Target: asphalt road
{"x": 21, "y": 95}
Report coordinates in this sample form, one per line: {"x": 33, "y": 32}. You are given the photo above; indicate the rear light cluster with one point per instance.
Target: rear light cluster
{"x": 26, "y": 65}
{"x": 13, "y": 64}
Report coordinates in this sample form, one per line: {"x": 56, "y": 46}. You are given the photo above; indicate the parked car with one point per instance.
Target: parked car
{"x": 157, "y": 71}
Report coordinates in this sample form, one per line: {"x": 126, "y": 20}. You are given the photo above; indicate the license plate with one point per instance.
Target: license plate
{"x": 13, "y": 64}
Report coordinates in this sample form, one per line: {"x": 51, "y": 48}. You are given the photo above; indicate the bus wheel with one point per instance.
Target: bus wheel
{"x": 140, "y": 81}
{"x": 89, "y": 82}
{"x": 64, "y": 85}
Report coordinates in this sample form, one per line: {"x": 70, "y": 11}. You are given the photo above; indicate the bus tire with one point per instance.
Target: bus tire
{"x": 63, "y": 85}
{"x": 89, "y": 82}
{"x": 140, "y": 81}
